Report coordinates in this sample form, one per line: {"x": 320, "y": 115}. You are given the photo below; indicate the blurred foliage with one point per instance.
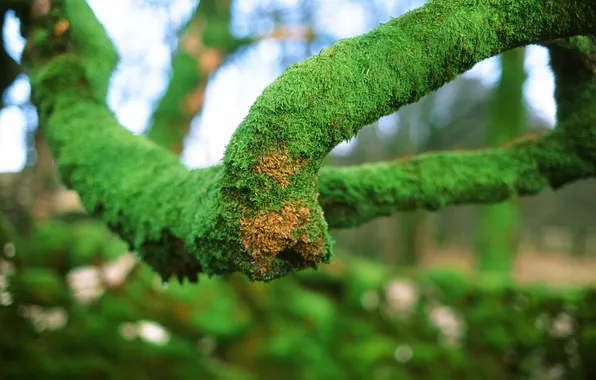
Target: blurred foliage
{"x": 355, "y": 319}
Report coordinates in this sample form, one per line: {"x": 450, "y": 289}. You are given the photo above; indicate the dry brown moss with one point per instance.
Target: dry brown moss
{"x": 270, "y": 233}
{"x": 279, "y": 166}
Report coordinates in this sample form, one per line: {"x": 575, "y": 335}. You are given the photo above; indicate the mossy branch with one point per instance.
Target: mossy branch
{"x": 259, "y": 212}
{"x": 351, "y": 196}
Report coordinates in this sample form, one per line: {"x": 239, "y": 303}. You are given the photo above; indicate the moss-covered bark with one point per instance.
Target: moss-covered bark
{"x": 204, "y": 42}
{"x": 498, "y": 232}
{"x": 259, "y": 212}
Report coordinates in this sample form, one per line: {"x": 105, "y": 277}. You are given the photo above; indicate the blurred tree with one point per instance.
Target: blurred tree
{"x": 205, "y": 41}
{"x": 498, "y": 232}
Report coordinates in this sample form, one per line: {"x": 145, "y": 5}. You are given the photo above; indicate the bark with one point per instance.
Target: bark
{"x": 259, "y": 212}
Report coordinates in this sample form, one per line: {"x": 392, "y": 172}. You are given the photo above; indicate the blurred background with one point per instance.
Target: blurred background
{"x": 496, "y": 291}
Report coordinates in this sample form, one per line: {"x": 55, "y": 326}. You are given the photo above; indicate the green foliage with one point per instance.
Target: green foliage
{"x": 354, "y": 320}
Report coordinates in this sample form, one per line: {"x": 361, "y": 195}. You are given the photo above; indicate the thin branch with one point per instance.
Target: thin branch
{"x": 205, "y": 43}
{"x": 351, "y": 196}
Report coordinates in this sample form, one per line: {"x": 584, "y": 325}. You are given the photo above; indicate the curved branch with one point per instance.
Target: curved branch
{"x": 259, "y": 213}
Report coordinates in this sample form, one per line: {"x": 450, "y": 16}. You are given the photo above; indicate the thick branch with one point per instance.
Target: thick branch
{"x": 351, "y": 196}
{"x": 259, "y": 212}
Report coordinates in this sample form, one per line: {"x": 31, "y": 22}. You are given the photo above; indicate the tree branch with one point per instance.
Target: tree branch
{"x": 259, "y": 212}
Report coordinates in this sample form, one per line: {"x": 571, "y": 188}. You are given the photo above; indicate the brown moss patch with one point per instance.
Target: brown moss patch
{"x": 279, "y": 166}
{"x": 269, "y": 233}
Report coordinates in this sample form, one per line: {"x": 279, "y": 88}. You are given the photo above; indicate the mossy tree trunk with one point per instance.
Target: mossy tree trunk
{"x": 498, "y": 230}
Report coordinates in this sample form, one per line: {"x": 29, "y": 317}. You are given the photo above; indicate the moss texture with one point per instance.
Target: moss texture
{"x": 259, "y": 212}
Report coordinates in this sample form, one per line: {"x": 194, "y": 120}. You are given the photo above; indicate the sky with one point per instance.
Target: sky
{"x": 143, "y": 38}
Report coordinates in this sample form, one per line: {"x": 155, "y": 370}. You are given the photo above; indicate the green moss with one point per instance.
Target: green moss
{"x": 93, "y": 46}
{"x": 348, "y": 322}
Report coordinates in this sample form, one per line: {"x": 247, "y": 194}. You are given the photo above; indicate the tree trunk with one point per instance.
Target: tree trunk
{"x": 498, "y": 233}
